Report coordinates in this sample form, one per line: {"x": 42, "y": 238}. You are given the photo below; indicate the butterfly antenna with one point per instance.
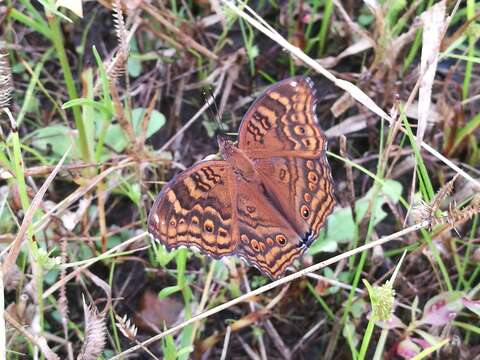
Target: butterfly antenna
{"x": 208, "y": 102}
{"x": 215, "y": 113}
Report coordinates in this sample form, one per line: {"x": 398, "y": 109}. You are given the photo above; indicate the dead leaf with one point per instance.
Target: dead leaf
{"x": 357, "y": 47}
{"x": 70, "y": 219}
{"x": 434, "y": 117}
{"x": 349, "y": 125}
{"x": 154, "y": 314}
{"x": 342, "y": 104}
{"x": 322, "y": 287}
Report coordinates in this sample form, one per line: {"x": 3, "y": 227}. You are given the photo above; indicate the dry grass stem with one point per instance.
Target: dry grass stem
{"x": 36, "y": 340}
{"x": 78, "y": 194}
{"x": 87, "y": 263}
{"x": 450, "y": 164}
{"x": 225, "y": 343}
{"x": 63, "y": 301}
{"x": 262, "y": 26}
{"x": 434, "y": 26}
{"x": 27, "y": 219}
{"x": 181, "y": 36}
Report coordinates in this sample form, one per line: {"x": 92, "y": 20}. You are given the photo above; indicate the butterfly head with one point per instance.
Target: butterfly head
{"x": 227, "y": 147}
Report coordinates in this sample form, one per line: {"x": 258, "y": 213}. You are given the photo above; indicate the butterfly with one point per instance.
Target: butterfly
{"x": 267, "y": 199}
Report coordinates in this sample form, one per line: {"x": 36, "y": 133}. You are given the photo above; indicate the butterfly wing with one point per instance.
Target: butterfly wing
{"x": 195, "y": 209}
{"x": 266, "y": 238}
{"x": 302, "y": 188}
{"x": 283, "y": 121}
{"x": 214, "y": 208}
{"x": 217, "y": 211}
{"x": 280, "y": 132}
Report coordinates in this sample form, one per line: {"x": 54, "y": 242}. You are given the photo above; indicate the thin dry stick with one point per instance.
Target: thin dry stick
{"x": 204, "y": 298}
{"x": 120, "y": 113}
{"x": 17, "y": 243}
{"x": 181, "y": 36}
{"x": 259, "y": 336}
{"x": 36, "y": 340}
{"x": 63, "y": 300}
{"x": 247, "y": 348}
{"x": 277, "y": 340}
{"x": 353, "y": 25}
{"x": 102, "y": 218}
{"x": 336, "y": 283}
{"x": 225, "y": 343}
{"x": 450, "y": 163}
{"x": 146, "y": 121}
{"x": 307, "y": 335}
{"x": 275, "y": 284}
{"x": 77, "y": 194}
{"x": 349, "y": 175}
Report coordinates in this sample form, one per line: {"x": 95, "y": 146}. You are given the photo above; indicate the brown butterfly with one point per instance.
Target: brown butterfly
{"x": 269, "y": 197}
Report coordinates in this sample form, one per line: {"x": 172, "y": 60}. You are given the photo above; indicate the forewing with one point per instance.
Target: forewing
{"x": 280, "y": 133}
{"x": 282, "y": 122}
{"x": 195, "y": 209}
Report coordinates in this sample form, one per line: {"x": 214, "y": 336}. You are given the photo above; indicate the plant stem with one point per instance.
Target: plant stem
{"x": 366, "y": 339}
{"x": 57, "y": 39}
{"x": 327, "y": 14}
{"x": 471, "y": 50}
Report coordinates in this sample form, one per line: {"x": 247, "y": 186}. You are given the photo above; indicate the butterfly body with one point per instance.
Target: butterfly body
{"x": 241, "y": 164}
{"x": 267, "y": 199}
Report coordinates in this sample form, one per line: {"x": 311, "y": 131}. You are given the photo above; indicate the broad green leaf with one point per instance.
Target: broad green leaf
{"x": 57, "y": 138}
{"x": 116, "y": 137}
{"x": 134, "y": 67}
{"x": 340, "y": 224}
{"x": 156, "y": 121}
